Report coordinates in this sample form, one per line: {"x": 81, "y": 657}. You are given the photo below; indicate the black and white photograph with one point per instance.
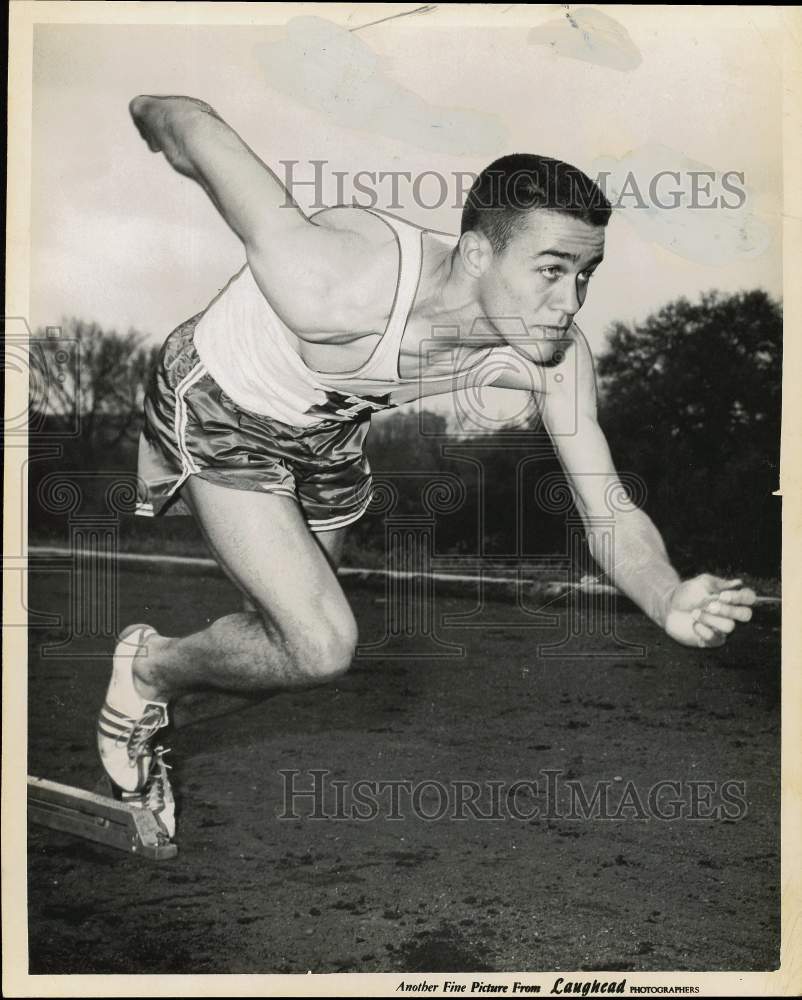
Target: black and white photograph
{"x": 394, "y": 570}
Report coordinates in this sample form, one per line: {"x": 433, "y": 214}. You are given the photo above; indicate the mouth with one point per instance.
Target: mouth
{"x": 547, "y": 326}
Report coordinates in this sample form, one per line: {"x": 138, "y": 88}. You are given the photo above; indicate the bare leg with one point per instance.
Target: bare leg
{"x": 199, "y": 705}
{"x": 302, "y": 633}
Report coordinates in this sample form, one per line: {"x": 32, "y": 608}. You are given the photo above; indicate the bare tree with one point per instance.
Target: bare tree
{"x": 94, "y": 378}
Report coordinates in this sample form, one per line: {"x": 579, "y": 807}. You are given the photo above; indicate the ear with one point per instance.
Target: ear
{"x": 475, "y": 252}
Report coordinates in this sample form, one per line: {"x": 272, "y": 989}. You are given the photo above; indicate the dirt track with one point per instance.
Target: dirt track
{"x": 250, "y": 892}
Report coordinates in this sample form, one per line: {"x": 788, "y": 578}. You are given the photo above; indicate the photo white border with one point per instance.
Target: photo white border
{"x": 787, "y": 981}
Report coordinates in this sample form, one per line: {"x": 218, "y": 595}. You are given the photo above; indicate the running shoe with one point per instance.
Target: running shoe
{"x": 128, "y": 722}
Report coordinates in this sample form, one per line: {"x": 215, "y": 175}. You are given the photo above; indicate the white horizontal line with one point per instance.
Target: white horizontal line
{"x": 200, "y": 563}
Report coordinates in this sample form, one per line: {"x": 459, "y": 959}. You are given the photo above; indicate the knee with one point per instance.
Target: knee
{"x": 328, "y": 648}
{"x": 323, "y": 648}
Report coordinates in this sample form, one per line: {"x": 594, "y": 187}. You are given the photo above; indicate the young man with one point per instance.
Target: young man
{"x": 257, "y": 414}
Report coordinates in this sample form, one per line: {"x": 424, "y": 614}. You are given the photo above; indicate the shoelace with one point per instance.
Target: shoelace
{"x": 152, "y": 795}
{"x": 160, "y": 783}
{"x": 143, "y": 729}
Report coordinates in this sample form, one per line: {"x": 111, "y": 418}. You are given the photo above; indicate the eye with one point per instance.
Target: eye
{"x": 551, "y": 271}
{"x": 585, "y": 276}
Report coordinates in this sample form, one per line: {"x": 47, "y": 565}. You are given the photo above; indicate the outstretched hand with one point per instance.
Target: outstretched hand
{"x": 706, "y": 609}
{"x": 142, "y": 111}
{"x": 155, "y": 118}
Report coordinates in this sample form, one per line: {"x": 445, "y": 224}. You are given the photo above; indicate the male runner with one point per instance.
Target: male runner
{"x": 257, "y": 413}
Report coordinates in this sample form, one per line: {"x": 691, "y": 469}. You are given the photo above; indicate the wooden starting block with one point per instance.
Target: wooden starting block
{"x": 98, "y": 817}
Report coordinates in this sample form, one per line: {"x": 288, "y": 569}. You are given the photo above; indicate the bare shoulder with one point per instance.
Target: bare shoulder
{"x": 368, "y": 269}
{"x": 342, "y": 265}
{"x": 355, "y": 220}
{"x": 571, "y": 382}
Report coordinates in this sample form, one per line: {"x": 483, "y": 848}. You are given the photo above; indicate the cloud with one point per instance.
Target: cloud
{"x": 333, "y": 71}
{"x": 591, "y": 36}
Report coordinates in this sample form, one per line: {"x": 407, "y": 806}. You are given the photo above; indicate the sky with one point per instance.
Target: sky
{"x": 118, "y": 238}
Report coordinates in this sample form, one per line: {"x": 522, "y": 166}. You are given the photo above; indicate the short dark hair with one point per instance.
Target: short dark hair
{"x": 513, "y": 185}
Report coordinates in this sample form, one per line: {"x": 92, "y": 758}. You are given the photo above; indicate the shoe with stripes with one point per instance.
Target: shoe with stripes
{"x": 128, "y": 722}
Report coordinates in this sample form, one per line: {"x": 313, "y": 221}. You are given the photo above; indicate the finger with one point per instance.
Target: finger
{"x": 736, "y": 612}
{"x": 718, "y": 622}
{"x": 149, "y": 141}
{"x": 721, "y": 583}
{"x": 743, "y": 596}
{"x": 707, "y": 637}
{"x": 704, "y": 631}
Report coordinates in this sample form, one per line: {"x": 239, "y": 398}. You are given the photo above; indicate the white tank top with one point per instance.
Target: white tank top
{"x": 248, "y": 351}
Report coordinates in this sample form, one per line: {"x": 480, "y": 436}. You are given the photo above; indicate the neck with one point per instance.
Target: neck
{"x": 449, "y": 298}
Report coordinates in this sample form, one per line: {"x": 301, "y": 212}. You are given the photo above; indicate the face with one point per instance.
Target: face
{"x": 532, "y": 290}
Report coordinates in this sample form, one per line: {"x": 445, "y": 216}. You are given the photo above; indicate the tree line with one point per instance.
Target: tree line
{"x": 690, "y": 399}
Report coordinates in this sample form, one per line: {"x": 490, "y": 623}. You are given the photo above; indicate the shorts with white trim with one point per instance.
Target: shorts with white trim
{"x": 193, "y": 428}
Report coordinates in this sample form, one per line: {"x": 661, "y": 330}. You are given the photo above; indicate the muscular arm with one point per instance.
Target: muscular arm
{"x": 622, "y": 539}
{"x": 302, "y": 268}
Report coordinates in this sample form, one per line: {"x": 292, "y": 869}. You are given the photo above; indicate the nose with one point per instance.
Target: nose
{"x": 568, "y": 298}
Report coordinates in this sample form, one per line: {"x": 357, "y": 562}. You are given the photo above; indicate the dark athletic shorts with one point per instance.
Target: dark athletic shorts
{"x": 193, "y": 428}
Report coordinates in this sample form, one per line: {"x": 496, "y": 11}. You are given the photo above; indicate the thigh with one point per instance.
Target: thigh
{"x": 331, "y": 542}
{"x": 264, "y": 545}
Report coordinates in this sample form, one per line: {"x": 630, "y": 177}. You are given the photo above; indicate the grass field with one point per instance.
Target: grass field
{"x": 254, "y": 891}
